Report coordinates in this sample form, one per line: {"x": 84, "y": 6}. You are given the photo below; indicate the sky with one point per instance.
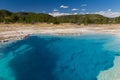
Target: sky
{"x": 110, "y": 8}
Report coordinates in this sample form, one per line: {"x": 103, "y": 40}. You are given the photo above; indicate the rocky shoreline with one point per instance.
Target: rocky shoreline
{"x": 18, "y": 33}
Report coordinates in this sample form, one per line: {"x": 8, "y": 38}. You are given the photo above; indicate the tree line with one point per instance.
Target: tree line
{"x": 31, "y": 17}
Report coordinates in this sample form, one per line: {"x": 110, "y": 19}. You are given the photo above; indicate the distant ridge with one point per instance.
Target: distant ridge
{"x": 31, "y": 17}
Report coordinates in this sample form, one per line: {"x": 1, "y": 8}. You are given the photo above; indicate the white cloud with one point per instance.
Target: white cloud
{"x": 108, "y": 13}
{"x": 83, "y": 9}
{"x": 63, "y": 6}
{"x": 83, "y": 5}
{"x": 75, "y": 9}
{"x": 109, "y": 10}
{"x": 75, "y": 13}
{"x": 55, "y": 10}
{"x": 87, "y": 13}
{"x": 58, "y": 14}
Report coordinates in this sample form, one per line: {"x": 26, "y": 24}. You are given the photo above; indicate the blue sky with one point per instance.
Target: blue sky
{"x": 61, "y": 6}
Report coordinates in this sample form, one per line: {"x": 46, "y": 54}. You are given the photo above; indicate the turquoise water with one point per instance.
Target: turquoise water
{"x": 41, "y": 57}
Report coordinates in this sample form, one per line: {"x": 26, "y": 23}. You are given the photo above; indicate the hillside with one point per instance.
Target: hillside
{"x": 30, "y": 17}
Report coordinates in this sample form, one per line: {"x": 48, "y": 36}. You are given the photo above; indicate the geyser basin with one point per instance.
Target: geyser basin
{"x": 56, "y": 58}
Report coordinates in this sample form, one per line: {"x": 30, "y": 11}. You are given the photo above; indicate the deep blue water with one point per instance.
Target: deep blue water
{"x": 56, "y": 58}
